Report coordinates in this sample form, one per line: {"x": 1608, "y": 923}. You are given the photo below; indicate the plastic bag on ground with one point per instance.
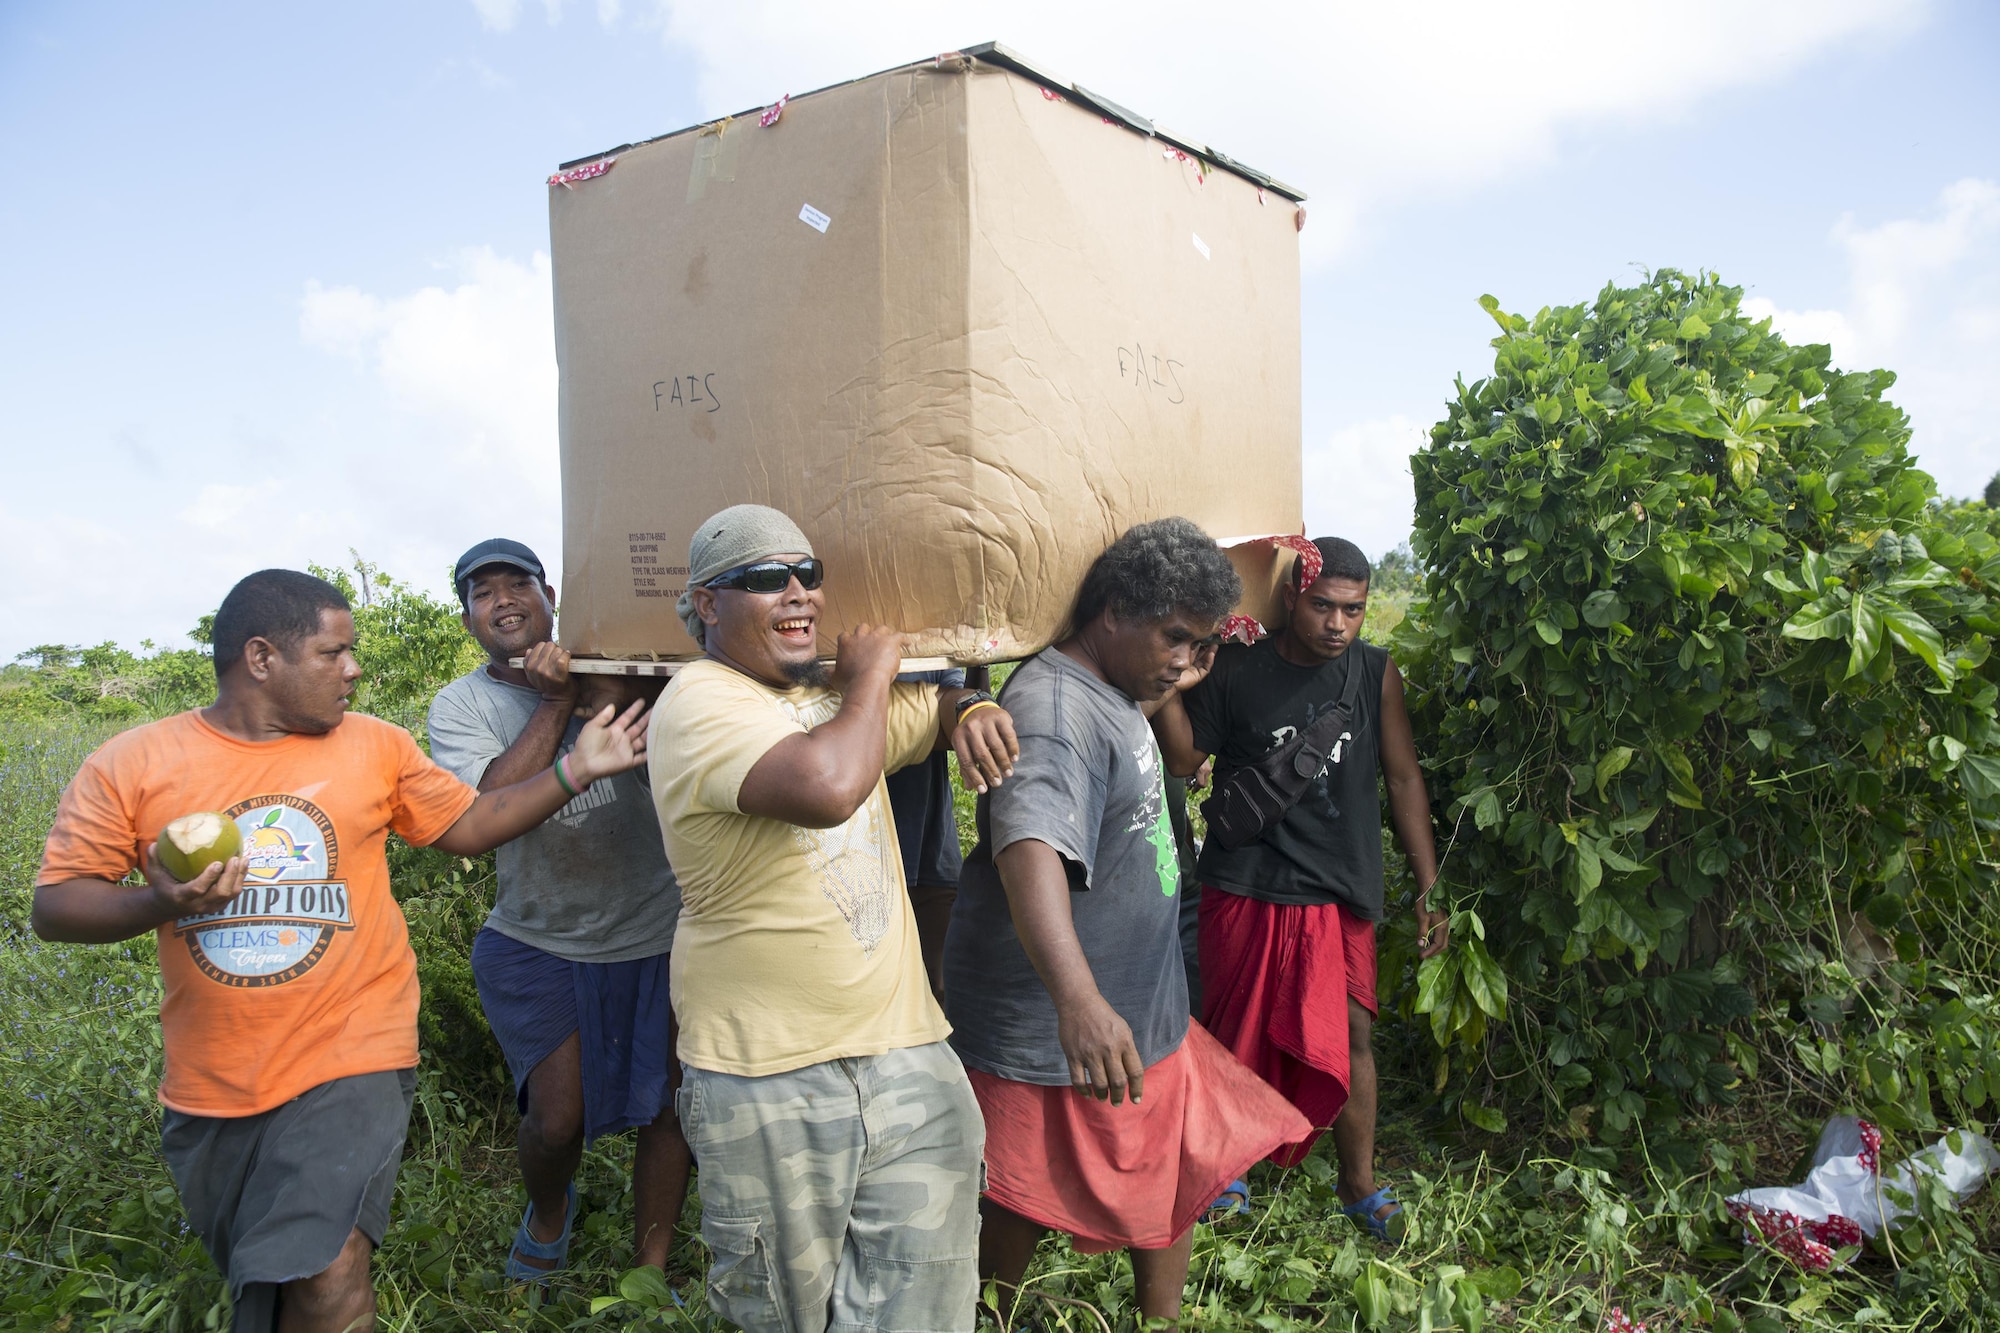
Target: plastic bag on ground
{"x": 1846, "y": 1196}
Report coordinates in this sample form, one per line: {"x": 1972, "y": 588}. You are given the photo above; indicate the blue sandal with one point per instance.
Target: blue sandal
{"x": 1232, "y": 1202}
{"x": 1389, "y": 1230}
{"x": 526, "y": 1245}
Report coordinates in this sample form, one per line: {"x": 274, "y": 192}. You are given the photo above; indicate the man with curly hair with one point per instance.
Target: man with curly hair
{"x": 1109, "y": 1115}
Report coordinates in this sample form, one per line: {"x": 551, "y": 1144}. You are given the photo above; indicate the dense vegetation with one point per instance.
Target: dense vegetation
{"x": 1719, "y": 859}
{"x": 1704, "y": 673}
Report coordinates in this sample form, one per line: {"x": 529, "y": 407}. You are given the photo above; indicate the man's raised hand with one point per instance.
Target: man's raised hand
{"x": 210, "y": 891}
{"x": 547, "y": 668}
{"x": 611, "y": 743}
{"x": 1200, "y": 663}
{"x": 986, "y": 746}
{"x": 1197, "y": 670}
{"x": 863, "y": 653}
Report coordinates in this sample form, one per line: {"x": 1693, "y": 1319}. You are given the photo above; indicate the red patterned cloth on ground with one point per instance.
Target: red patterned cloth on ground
{"x": 1131, "y": 1175}
{"x": 1273, "y": 978}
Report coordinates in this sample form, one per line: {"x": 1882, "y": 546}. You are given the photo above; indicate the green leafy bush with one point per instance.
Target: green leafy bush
{"x": 105, "y": 684}
{"x": 1703, "y": 674}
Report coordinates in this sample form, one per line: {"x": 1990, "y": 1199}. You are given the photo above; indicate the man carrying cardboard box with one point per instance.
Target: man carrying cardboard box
{"x": 290, "y": 1009}
{"x": 572, "y": 961}
{"x": 1063, "y": 968}
{"x": 1288, "y": 917}
{"x": 838, "y": 1139}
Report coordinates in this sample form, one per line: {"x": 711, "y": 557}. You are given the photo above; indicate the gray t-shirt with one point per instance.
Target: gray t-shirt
{"x": 1089, "y": 784}
{"x": 592, "y": 884}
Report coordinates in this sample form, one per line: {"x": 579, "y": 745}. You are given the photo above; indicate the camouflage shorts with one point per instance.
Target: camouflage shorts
{"x": 842, "y": 1196}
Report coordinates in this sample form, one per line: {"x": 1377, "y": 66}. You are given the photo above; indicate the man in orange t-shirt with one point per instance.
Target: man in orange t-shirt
{"x": 290, "y": 1010}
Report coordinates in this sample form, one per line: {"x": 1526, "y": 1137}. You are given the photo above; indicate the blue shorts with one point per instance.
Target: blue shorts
{"x": 619, "y": 1011}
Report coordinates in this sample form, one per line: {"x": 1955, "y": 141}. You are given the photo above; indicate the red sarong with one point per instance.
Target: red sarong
{"x": 1131, "y": 1175}
{"x": 1275, "y": 981}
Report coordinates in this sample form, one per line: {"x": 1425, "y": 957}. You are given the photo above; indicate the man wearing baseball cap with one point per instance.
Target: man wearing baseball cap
{"x": 572, "y": 963}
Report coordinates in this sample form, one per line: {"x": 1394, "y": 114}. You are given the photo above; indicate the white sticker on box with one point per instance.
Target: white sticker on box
{"x": 1199, "y": 243}
{"x": 813, "y": 218}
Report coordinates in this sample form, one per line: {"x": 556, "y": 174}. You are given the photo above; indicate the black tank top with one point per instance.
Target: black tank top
{"x": 1328, "y": 847}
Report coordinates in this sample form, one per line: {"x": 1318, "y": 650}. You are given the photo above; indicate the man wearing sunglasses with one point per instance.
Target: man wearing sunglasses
{"x": 838, "y": 1137}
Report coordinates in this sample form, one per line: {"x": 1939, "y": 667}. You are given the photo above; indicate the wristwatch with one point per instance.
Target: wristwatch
{"x": 968, "y": 700}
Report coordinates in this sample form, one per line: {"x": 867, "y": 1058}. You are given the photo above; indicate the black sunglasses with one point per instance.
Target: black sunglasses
{"x": 770, "y": 576}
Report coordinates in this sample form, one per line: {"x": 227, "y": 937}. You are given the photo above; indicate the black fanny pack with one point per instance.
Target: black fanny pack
{"x": 1254, "y": 797}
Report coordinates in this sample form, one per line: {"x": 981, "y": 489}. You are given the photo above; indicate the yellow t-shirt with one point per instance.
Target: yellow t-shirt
{"x": 795, "y": 945}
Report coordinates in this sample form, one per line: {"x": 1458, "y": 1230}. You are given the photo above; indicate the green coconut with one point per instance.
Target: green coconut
{"x": 193, "y": 843}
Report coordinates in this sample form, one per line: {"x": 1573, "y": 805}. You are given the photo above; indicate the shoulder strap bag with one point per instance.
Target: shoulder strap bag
{"x": 1253, "y": 798}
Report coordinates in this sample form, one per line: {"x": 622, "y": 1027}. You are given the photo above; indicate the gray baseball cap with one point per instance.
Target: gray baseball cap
{"x": 494, "y": 551}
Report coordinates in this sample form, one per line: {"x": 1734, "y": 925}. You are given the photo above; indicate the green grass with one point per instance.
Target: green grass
{"x": 1528, "y": 1231}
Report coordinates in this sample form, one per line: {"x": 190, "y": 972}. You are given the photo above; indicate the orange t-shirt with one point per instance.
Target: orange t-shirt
{"x": 307, "y": 976}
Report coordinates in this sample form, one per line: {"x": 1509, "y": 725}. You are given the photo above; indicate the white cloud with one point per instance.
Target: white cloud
{"x": 1897, "y": 263}
{"x": 1357, "y": 104}
{"x": 478, "y": 357}
{"x": 1924, "y": 301}
{"x": 147, "y": 575}
{"x": 498, "y": 15}
{"x": 1358, "y": 486}
{"x": 1803, "y": 326}
{"x": 502, "y": 15}
{"x": 219, "y": 506}
{"x": 469, "y": 370}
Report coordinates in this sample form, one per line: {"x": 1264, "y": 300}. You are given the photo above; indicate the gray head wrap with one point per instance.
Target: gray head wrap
{"x": 736, "y": 536}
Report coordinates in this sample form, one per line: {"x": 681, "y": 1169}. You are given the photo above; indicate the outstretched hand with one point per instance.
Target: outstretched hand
{"x": 210, "y": 891}
{"x": 611, "y": 743}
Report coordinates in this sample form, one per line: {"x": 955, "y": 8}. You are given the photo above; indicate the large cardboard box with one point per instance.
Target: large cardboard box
{"x": 962, "y": 322}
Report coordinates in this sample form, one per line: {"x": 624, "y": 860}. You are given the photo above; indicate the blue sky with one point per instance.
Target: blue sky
{"x": 277, "y": 274}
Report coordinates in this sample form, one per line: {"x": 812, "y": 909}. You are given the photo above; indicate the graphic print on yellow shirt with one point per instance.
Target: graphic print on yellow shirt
{"x": 293, "y": 898}
{"x": 795, "y": 945}
{"x": 851, "y": 861}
